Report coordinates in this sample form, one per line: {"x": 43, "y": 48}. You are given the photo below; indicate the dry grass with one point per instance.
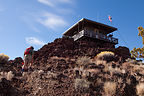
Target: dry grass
{"x": 7, "y": 75}
{"x": 3, "y": 58}
{"x": 109, "y": 88}
{"x": 128, "y": 81}
{"x": 116, "y": 70}
{"x": 109, "y": 68}
{"x": 133, "y": 61}
{"x": 138, "y": 68}
{"x": 120, "y": 80}
{"x": 40, "y": 72}
{"x": 85, "y": 72}
{"x": 101, "y": 54}
{"x": 83, "y": 61}
{"x": 133, "y": 68}
{"x": 93, "y": 71}
{"x": 140, "y": 89}
{"x": 98, "y": 62}
{"x": 59, "y": 58}
{"x": 105, "y": 55}
{"x": 10, "y": 75}
{"x": 81, "y": 85}
{"x": 99, "y": 81}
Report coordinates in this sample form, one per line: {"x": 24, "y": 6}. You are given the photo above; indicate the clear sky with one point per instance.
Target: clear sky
{"x": 36, "y": 22}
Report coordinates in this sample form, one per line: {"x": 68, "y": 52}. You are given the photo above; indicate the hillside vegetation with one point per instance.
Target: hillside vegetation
{"x": 81, "y": 68}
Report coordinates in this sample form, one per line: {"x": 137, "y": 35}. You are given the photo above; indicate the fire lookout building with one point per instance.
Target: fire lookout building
{"x": 91, "y": 30}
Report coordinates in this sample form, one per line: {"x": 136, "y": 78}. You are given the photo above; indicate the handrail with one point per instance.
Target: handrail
{"x": 100, "y": 36}
{"x": 97, "y": 35}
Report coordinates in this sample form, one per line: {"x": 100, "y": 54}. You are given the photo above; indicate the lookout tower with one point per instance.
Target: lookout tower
{"x": 88, "y": 29}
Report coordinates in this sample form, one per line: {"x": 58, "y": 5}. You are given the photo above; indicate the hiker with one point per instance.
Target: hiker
{"x": 28, "y": 58}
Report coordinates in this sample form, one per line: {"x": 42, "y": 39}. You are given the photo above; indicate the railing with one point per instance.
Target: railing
{"x": 78, "y": 35}
{"x": 92, "y": 34}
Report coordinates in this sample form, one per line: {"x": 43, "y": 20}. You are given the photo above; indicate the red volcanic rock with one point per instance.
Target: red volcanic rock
{"x": 64, "y": 47}
{"x": 54, "y": 71}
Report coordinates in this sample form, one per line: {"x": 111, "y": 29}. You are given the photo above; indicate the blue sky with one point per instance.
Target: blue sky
{"x": 36, "y": 22}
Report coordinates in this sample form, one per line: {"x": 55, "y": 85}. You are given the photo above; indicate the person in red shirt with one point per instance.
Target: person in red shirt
{"x": 28, "y": 58}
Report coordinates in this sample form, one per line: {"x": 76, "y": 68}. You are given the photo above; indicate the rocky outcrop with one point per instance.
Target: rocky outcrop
{"x": 65, "y": 47}
{"x": 56, "y": 72}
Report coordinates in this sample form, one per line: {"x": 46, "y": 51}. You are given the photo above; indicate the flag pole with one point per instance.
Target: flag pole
{"x": 110, "y": 19}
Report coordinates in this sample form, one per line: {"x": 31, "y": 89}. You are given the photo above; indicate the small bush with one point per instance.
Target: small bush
{"x": 133, "y": 61}
{"x": 82, "y": 85}
{"x": 120, "y": 80}
{"x": 116, "y": 70}
{"x": 106, "y": 56}
{"x": 7, "y": 75}
{"x": 83, "y": 61}
{"x": 140, "y": 89}
{"x": 109, "y": 88}
{"x": 98, "y": 62}
{"x": 128, "y": 81}
{"x": 3, "y": 58}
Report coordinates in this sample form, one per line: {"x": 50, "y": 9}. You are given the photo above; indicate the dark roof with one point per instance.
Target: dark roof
{"x": 85, "y": 22}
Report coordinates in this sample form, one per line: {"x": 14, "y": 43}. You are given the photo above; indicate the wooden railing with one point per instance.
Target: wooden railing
{"x": 92, "y": 34}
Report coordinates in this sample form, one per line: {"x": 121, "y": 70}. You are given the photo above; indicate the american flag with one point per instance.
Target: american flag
{"x": 110, "y": 18}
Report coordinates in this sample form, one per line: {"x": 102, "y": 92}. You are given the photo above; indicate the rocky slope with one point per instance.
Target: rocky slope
{"x": 68, "y": 68}
{"x": 65, "y": 47}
